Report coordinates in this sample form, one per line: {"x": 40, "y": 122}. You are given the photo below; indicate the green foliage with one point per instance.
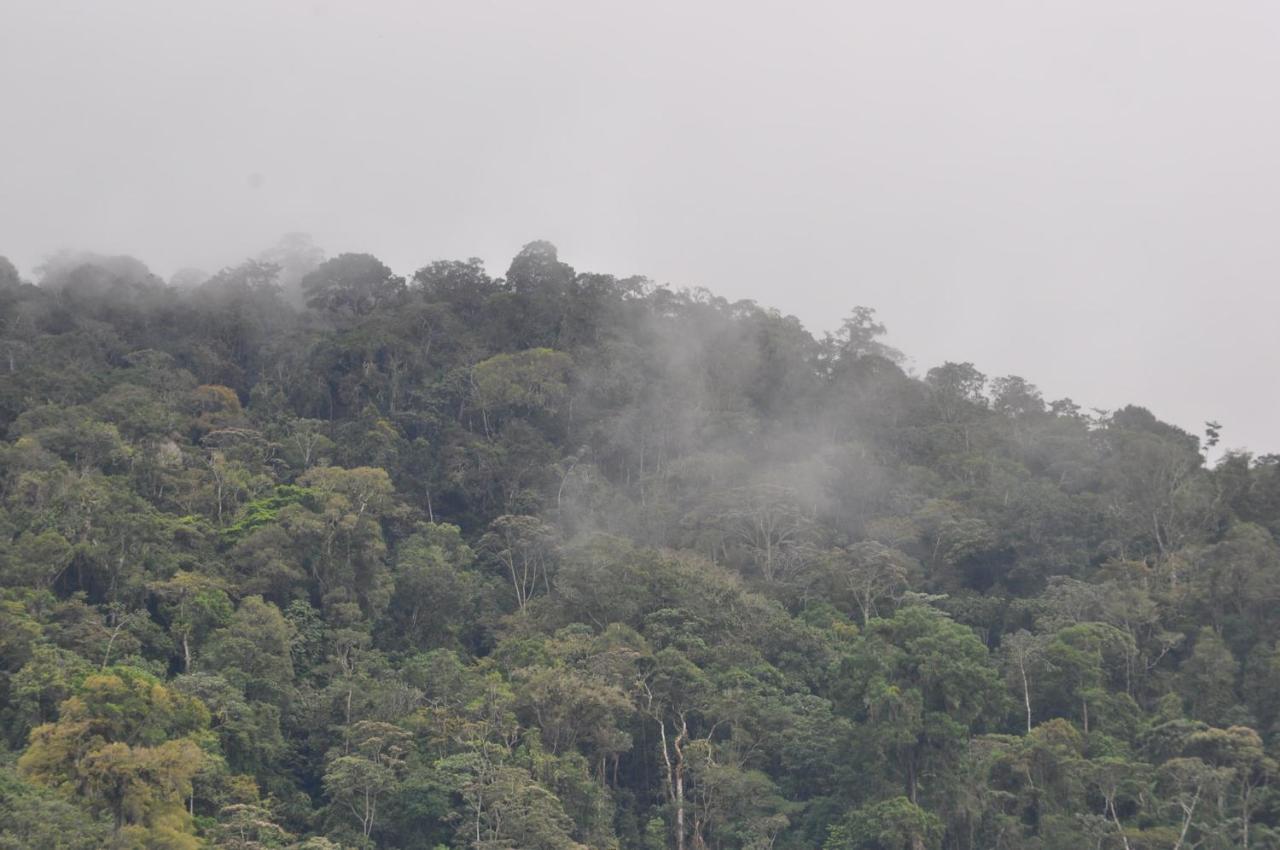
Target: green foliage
{"x": 531, "y": 380}
{"x": 560, "y": 560}
{"x": 125, "y": 746}
{"x": 264, "y": 511}
{"x": 33, "y": 818}
{"x": 351, "y": 284}
{"x": 894, "y": 824}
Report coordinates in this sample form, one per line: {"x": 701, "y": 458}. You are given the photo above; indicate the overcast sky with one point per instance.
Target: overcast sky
{"x": 1082, "y": 192}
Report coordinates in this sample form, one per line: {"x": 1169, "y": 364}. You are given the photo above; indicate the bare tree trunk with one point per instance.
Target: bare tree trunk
{"x": 675, "y": 775}
{"x": 107, "y": 655}
{"x": 1111, "y": 807}
{"x": 680, "y": 807}
{"x": 1026, "y": 693}
{"x": 1188, "y": 811}
{"x": 1244, "y": 815}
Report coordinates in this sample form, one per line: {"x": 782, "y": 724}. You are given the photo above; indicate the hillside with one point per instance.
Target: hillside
{"x": 308, "y": 555}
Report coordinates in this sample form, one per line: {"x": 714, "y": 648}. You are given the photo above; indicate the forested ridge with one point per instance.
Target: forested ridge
{"x": 308, "y": 555}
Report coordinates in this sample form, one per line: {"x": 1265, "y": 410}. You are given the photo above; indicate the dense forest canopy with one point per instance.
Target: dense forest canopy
{"x": 306, "y": 554}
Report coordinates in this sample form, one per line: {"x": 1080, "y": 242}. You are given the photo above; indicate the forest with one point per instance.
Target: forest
{"x": 306, "y": 554}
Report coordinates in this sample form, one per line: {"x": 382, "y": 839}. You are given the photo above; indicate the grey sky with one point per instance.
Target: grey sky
{"x": 1083, "y": 192}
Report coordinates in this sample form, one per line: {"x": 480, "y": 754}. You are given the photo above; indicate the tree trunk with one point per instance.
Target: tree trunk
{"x": 911, "y": 777}
{"x": 1244, "y": 816}
{"x": 680, "y": 808}
{"x": 675, "y": 775}
{"x": 1026, "y": 694}
{"x": 1188, "y": 812}
{"x": 1115, "y": 818}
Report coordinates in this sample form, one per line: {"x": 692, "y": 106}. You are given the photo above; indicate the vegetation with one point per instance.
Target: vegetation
{"x": 557, "y": 560}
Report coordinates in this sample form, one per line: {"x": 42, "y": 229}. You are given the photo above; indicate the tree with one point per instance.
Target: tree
{"x": 527, "y": 381}
{"x": 342, "y": 543}
{"x": 1208, "y": 678}
{"x": 859, "y": 335}
{"x": 580, "y": 697}
{"x": 1235, "y": 583}
{"x": 1118, "y": 781}
{"x": 463, "y": 285}
{"x": 1212, "y": 434}
{"x": 367, "y": 770}
{"x": 508, "y": 807}
{"x": 894, "y": 824}
{"x": 917, "y": 681}
{"x": 246, "y": 826}
{"x": 1078, "y": 660}
{"x": 1023, "y": 653}
{"x": 241, "y": 310}
{"x": 1241, "y": 765}
{"x": 671, "y": 693}
{"x": 351, "y": 286}
{"x": 9, "y": 277}
{"x": 524, "y": 548}
{"x": 436, "y": 597}
{"x": 763, "y": 524}
{"x": 253, "y": 651}
{"x": 957, "y": 389}
{"x": 194, "y": 604}
{"x": 537, "y": 271}
{"x": 872, "y": 574}
{"x": 1015, "y": 397}
{"x": 1041, "y": 774}
{"x": 36, "y": 560}
{"x": 296, "y": 255}
{"x": 34, "y": 818}
{"x": 127, "y": 746}
{"x": 1185, "y": 783}
{"x": 734, "y": 805}
{"x": 49, "y": 676}
{"x": 1155, "y": 494}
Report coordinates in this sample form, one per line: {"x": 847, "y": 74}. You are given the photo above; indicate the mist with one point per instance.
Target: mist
{"x": 571, "y": 426}
{"x": 1084, "y": 194}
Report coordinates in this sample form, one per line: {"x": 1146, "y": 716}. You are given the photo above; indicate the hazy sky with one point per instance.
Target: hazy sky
{"x": 1083, "y": 192}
